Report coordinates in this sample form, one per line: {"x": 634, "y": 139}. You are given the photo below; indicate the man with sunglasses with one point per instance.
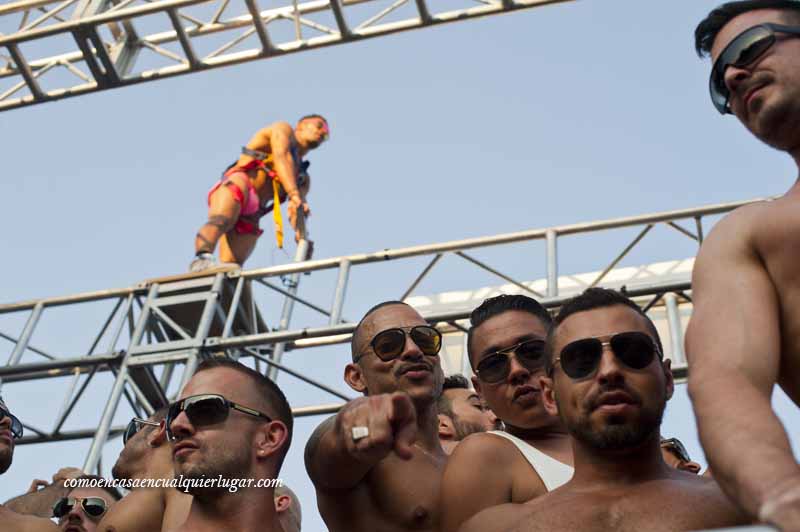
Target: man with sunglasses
{"x": 533, "y": 455}
{"x": 461, "y": 413}
{"x": 609, "y": 383}
{"x": 10, "y": 430}
{"x": 230, "y": 431}
{"x": 675, "y": 455}
{"x": 744, "y": 336}
{"x": 146, "y": 455}
{"x": 82, "y": 508}
{"x": 377, "y": 464}
{"x": 269, "y": 171}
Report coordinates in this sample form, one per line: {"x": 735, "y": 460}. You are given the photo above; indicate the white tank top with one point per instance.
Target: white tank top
{"x": 552, "y": 472}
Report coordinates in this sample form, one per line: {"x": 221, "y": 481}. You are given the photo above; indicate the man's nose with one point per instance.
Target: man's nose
{"x": 610, "y": 369}
{"x": 517, "y": 373}
{"x": 733, "y": 78}
{"x": 181, "y": 426}
{"x": 411, "y": 349}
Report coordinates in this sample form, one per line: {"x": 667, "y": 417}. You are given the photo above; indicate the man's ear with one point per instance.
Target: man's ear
{"x": 354, "y": 377}
{"x": 447, "y": 430}
{"x": 272, "y": 439}
{"x": 549, "y": 399}
{"x": 158, "y": 435}
{"x": 282, "y": 503}
{"x": 670, "y": 380}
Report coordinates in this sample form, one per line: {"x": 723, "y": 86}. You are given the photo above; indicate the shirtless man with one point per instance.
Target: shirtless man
{"x": 377, "y": 464}
{"x": 82, "y": 508}
{"x": 533, "y": 455}
{"x": 461, "y": 413}
{"x": 609, "y": 384}
{"x": 288, "y": 507}
{"x": 744, "y": 335}
{"x": 11, "y": 430}
{"x": 270, "y": 167}
{"x": 234, "y": 423}
{"x": 146, "y": 455}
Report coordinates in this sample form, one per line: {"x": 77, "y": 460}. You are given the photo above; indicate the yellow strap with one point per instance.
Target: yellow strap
{"x": 276, "y": 213}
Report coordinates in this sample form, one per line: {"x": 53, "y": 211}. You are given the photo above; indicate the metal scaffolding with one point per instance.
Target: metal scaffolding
{"x": 114, "y": 43}
{"x": 168, "y": 324}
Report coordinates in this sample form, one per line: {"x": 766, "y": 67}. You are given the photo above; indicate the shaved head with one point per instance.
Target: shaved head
{"x": 357, "y": 340}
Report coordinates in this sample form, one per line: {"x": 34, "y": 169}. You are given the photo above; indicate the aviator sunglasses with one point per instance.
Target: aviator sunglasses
{"x": 496, "y": 367}
{"x": 204, "y": 410}
{"x": 580, "y": 358}
{"x": 388, "y": 344}
{"x": 16, "y": 425}
{"x": 740, "y": 52}
{"x": 136, "y": 424}
{"x": 675, "y": 445}
{"x": 92, "y": 506}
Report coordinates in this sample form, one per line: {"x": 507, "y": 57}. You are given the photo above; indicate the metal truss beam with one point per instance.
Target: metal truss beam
{"x": 179, "y": 320}
{"x": 100, "y": 63}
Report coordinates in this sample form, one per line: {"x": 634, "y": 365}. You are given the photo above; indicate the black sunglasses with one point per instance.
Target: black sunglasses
{"x": 496, "y": 367}
{"x": 136, "y": 424}
{"x": 675, "y": 445}
{"x": 580, "y": 358}
{"x": 92, "y": 506}
{"x": 204, "y": 410}
{"x": 388, "y": 344}
{"x": 16, "y": 424}
{"x": 745, "y": 48}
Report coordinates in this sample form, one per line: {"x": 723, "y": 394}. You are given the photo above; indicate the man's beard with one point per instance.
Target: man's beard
{"x": 6, "y": 455}
{"x": 617, "y": 435}
{"x": 465, "y": 428}
{"x": 218, "y": 461}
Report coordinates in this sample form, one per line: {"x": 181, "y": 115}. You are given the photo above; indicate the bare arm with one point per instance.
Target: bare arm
{"x": 39, "y": 503}
{"x": 139, "y": 511}
{"x": 475, "y": 478}
{"x": 15, "y": 522}
{"x": 335, "y": 461}
{"x": 734, "y": 350}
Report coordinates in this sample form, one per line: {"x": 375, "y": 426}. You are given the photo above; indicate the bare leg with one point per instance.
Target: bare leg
{"x": 236, "y": 247}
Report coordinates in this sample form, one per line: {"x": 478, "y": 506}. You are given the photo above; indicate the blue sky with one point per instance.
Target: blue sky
{"x": 573, "y": 112}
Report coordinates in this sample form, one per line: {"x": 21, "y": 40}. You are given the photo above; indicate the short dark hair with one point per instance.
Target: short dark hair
{"x": 313, "y": 115}
{"x": 356, "y": 333}
{"x": 590, "y": 299}
{"x": 498, "y": 305}
{"x": 272, "y": 396}
{"x": 452, "y": 382}
{"x": 100, "y": 483}
{"x": 709, "y": 27}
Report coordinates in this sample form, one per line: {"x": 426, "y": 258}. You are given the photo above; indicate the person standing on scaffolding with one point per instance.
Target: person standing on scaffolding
{"x": 269, "y": 171}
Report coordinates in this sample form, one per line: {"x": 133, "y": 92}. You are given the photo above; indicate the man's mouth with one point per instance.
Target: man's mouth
{"x": 415, "y": 370}
{"x": 74, "y": 528}
{"x": 526, "y": 393}
{"x": 183, "y": 448}
{"x": 618, "y": 399}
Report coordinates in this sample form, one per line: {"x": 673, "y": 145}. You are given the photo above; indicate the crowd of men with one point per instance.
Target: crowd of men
{"x": 560, "y": 430}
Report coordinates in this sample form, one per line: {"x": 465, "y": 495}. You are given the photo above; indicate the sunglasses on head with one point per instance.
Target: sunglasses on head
{"x": 16, "y": 424}
{"x": 496, "y": 367}
{"x": 136, "y": 424}
{"x": 740, "y": 52}
{"x": 675, "y": 445}
{"x": 204, "y": 410}
{"x": 92, "y": 506}
{"x": 387, "y": 345}
{"x": 580, "y": 359}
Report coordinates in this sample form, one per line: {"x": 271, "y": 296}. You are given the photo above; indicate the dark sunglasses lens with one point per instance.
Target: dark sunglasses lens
{"x": 130, "y": 432}
{"x": 427, "y": 339}
{"x": 579, "y": 359}
{"x": 16, "y": 427}
{"x": 493, "y": 368}
{"x": 207, "y": 411}
{"x": 389, "y": 344}
{"x": 94, "y": 506}
{"x": 63, "y": 507}
{"x": 172, "y": 413}
{"x": 634, "y": 349}
{"x": 531, "y": 355}
{"x": 742, "y": 51}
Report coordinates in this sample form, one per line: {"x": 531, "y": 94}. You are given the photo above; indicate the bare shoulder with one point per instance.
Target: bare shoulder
{"x": 140, "y": 510}
{"x": 736, "y": 230}
{"x": 497, "y": 518}
{"x": 482, "y": 447}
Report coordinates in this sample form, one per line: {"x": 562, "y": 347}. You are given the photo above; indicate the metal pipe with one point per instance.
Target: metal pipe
{"x": 293, "y": 296}
{"x": 552, "y": 262}
{"x": 300, "y": 376}
{"x": 675, "y": 329}
{"x": 74, "y": 401}
{"x": 622, "y": 255}
{"x": 234, "y": 307}
{"x": 25, "y": 337}
{"x": 341, "y": 289}
{"x": 30, "y": 347}
{"x": 497, "y": 273}
{"x": 103, "y": 427}
{"x": 421, "y": 276}
{"x": 288, "y": 306}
